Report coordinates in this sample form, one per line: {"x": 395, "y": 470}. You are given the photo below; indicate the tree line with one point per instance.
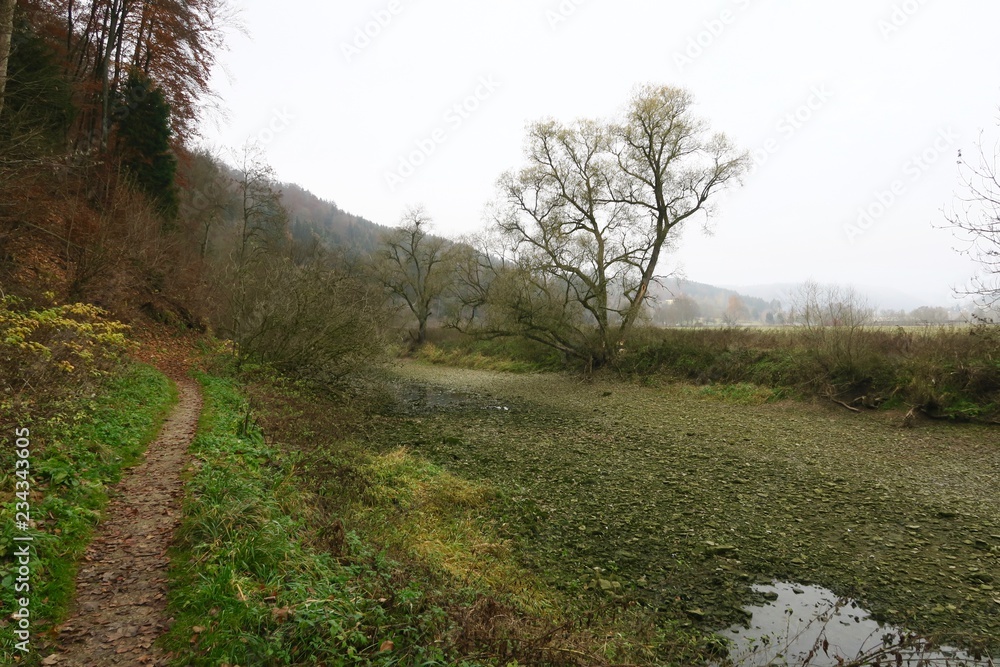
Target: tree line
{"x": 100, "y": 101}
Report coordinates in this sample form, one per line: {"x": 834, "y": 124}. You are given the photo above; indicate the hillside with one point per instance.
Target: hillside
{"x": 310, "y": 215}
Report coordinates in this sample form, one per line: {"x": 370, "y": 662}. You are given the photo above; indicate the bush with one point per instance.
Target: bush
{"x": 49, "y": 354}
{"x": 310, "y": 322}
{"x": 945, "y": 372}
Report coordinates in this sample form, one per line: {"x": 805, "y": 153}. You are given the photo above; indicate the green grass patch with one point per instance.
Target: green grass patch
{"x": 743, "y": 393}
{"x": 510, "y": 355}
{"x": 307, "y": 547}
{"x": 249, "y": 584}
{"x": 77, "y": 452}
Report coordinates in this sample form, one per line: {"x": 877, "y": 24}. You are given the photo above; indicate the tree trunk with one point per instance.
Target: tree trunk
{"x": 6, "y": 32}
{"x": 116, "y": 12}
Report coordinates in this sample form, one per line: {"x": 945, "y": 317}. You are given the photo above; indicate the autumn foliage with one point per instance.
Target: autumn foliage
{"x": 102, "y": 42}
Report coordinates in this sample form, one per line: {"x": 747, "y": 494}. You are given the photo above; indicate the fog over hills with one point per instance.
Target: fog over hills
{"x": 311, "y": 214}
{"x": 880, "y": 297}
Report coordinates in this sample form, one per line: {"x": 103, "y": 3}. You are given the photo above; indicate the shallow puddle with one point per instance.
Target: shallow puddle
{"x": 809, "y": 625}
{"x": 422, "y": 398}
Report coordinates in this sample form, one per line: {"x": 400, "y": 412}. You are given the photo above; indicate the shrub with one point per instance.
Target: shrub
{"x": 52, "y": 353}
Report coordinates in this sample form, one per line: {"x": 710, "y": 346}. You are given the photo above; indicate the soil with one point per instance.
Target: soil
{"x": 122, "y": 582}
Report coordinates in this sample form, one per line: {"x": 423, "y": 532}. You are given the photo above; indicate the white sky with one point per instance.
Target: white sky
{"x": 888, "y": 80}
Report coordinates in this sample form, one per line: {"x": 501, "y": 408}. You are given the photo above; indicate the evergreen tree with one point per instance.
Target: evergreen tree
{"x": 37, "y": 102}
{"x": 143, "y": 141}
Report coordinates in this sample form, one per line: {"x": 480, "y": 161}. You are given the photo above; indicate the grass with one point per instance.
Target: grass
{"x": 743, "y": 393}
{"x": 451, "y": 348}
{"x": 300, "y": 545}
{"x": 250, "y": 583}
{"x": 944, "y": 372}
{"x": 77, "y": 452}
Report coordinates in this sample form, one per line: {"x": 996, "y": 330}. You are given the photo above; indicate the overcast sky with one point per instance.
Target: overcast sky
{"x": 843, "y": 103}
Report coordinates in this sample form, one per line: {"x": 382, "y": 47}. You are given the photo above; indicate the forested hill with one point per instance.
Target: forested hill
{"x": 710, "y": 302}
{"x": 310, "y": 216}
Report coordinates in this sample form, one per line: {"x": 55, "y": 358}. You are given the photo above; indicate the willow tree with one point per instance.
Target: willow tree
{"x": 578, "y": 233}
{"x": 415, "y": 266}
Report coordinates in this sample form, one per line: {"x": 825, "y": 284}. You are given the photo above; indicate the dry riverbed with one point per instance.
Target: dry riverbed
{"x": 684, "y": 501}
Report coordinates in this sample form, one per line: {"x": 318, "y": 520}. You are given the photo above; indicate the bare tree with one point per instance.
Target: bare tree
{"x": 208, "y": 195}
{"x": 816, "y": 306}
{"x": 736, "y": 311}
{"x": 837, "y": 320}
{"x": 259, "y": 239}
{"x": 975, "y": 218}
{"x": 680, "y": 311}
{"x": 585, "y": 222}
{"x": 415, "y": 266}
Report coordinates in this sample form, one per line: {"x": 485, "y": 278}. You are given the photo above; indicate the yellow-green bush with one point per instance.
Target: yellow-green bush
{"x": 49, "y": 353}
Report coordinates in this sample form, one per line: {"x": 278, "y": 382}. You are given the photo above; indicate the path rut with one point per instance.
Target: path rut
{"x": 121, "y": 587}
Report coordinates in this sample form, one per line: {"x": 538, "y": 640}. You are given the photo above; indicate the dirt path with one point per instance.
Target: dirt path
{"x": 121, "y": 586}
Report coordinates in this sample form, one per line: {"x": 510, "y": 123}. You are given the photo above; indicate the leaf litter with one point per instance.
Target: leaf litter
{"x": 684, "y": 502}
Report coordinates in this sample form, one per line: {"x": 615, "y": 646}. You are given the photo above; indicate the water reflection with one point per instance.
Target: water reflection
{"x": 809, "y": 625}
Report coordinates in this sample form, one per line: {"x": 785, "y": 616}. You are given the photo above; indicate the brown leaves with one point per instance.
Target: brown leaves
{"x": 281, "y": 614}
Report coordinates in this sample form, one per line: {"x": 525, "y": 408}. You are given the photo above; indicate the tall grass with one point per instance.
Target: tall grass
{"x": 512, "y": 355}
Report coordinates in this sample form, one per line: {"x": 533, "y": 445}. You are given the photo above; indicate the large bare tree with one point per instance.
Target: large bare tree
{"x": 579, "y": 232}
{"x": 414, "y": 266}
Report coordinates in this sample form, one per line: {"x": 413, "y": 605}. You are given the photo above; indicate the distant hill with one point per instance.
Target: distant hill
{"x": 678, "y": 301}
{"x": 310, "y": 215}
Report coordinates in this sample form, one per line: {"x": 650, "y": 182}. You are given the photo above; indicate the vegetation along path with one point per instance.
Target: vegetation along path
{"x": 121, "y": 585}
{"x": 682, "y": 498}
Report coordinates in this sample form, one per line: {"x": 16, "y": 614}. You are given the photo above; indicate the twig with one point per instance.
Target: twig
{"x": 839, "y": 402}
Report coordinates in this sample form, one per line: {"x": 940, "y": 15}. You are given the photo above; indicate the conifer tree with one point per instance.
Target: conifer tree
{"x": 143, "y": 142}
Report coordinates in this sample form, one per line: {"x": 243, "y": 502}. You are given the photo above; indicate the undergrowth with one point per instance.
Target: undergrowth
{"x": 944, "y": 372}
{"x": 951, "y": 373}
{"x": 511, "y": 355}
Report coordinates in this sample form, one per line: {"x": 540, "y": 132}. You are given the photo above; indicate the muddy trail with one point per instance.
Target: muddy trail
{"x": 121, "y": 586}
{"x": 685, "y": 501}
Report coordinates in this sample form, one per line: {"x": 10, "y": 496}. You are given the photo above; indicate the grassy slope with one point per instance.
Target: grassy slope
{"x": 75, "y": 457}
